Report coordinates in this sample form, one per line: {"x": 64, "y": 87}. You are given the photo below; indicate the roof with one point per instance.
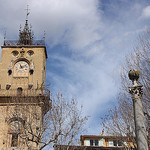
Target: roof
{"x": 74, "y": 147}
{"x": 103, "y": 136}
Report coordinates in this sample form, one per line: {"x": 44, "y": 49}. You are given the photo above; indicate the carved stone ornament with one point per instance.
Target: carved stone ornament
{"x": 22, "y": 52}
{"x": 136, "y": 91}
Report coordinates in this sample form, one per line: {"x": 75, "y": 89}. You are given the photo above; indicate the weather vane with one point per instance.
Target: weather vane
{"x": 27, "y": 12}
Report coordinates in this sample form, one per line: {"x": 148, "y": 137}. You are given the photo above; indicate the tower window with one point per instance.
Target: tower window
{"x": 30, "y": 52}
{"x": 15, "y": 53}
{"x": 9, "y": 72}
{"x": 14, "y": 141}
{"x": 8, "y": 86}
{"x": 19, "y": 91}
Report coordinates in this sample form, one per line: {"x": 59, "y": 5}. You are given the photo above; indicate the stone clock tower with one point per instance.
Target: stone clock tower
{"x": 23, "y": 99}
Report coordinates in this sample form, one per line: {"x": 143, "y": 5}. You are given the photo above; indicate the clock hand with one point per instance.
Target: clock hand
{"x": 21, "y": 66}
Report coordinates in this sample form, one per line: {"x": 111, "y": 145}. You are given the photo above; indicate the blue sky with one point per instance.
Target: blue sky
{"x": 87, "y": 41}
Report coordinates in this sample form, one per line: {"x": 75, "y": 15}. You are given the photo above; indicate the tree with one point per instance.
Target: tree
{"x": 120, "y": 120}
{"x": 64, "y": 122}
{"x": 61, "y": 123}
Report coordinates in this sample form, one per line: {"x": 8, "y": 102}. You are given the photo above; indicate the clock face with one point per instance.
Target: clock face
{"x": 21, "y": 68}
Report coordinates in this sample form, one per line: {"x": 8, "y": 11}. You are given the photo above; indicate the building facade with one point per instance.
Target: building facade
{"x": 23, "y": 99}
{"x": 99, "y": 142}
{"x": 109, "y": 142}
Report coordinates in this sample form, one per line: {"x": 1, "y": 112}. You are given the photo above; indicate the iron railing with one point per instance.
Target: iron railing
{"x": 17, "y": 43}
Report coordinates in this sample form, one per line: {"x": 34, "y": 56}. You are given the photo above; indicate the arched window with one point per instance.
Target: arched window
{"x": 30, "y": 52}
{"x": 15, "y": 128}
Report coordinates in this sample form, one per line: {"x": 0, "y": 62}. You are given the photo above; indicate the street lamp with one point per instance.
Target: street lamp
{"x": 140, "y": 130}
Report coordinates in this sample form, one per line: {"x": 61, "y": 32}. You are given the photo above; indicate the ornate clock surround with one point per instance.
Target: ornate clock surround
{"x": 21, "y": 68}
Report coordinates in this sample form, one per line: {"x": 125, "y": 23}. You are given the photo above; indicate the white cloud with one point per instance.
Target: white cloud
{"x": 146, "y": 12}
{"x": 72, "y": 22}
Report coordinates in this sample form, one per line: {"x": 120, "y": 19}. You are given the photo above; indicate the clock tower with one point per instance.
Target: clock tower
{"x": 23, "y": 99}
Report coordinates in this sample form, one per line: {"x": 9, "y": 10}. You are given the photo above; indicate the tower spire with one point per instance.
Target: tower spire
{"x": 26, "y": 35}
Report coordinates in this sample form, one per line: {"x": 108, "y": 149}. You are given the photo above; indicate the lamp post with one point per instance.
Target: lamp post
{"x": 140, "y": 130}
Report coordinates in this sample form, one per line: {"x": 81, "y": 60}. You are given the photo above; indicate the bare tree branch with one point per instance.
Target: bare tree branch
{"x": 120, "y": 120}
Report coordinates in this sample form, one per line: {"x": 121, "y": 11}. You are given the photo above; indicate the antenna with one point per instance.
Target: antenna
{"x": 27, "y": 12}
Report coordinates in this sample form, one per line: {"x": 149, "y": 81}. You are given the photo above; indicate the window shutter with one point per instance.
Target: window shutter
{"x": 111, "y": 143}
{"x": 87, "y": 142}
{"x": 101, "y": 142}
{"x": 125, "y": 143}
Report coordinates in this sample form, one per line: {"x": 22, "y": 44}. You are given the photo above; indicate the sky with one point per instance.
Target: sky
{"x": 87, "y": 42}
